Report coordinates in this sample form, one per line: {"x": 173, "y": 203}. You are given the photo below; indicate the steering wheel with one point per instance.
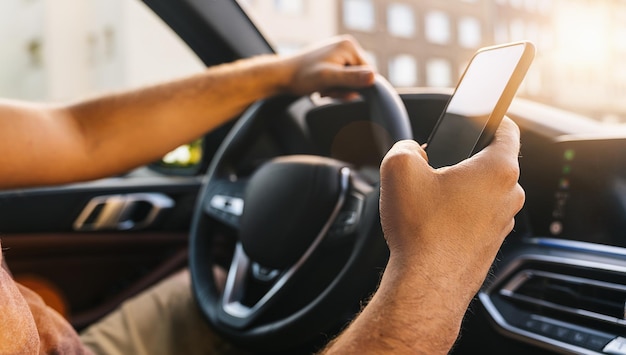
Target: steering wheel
{"x": 303, "y": 234}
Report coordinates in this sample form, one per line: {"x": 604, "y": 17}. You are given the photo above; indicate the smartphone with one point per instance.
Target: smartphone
{"x": 479, "y": 102}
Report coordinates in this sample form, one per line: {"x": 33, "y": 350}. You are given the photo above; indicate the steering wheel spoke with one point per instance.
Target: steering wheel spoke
{"x": 348, "y": 218}
{"x": 239, "y": 306}
{"x": 239, "y": 309}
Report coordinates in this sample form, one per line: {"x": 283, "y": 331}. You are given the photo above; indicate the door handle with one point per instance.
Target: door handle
{"x": 122, "y": 212}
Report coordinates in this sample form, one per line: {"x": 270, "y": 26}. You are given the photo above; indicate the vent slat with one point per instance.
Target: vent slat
{"x": 591, "y": 298}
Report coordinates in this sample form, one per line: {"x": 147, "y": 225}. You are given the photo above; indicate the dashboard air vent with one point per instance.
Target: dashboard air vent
{"x": 594, "y": 299}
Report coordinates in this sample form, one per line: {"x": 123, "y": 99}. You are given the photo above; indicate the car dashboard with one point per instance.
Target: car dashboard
{"x": 559, "y": 282}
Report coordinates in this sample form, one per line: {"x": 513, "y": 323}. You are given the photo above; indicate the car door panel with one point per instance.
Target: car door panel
{"x": 92, "y": 272}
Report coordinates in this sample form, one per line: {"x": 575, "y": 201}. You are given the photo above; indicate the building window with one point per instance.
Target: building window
{"x": 109, "y": 42}
{"x": 400, "y": 20}
{"x": 470, "y": 35}
{"x": 34, "y": 49}
{"x": 545, "y": 6}
{"x": 403, "y": 70}
{"x": 371, "y": 58}
{"x": 438, "y": 73}
{"x": 546, "y": 38}
{"x": 620, "y": 38}
{"x": 289, "y": 7}
{"x": 462, "y": 67}
{"x": 501, "y": 32}
{"x": 517, "y": 30}
{"x": 533, "y": 82}
{"x": 358, "y": 14}
{"x": 288, "y": 48}
{"x": 533, "y": 32}
{"x": 531, "y": 5}
{"x": 438, "y": 27}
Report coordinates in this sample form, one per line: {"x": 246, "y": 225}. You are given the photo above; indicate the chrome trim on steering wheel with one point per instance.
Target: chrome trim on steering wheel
{"x": 239, "y": 268}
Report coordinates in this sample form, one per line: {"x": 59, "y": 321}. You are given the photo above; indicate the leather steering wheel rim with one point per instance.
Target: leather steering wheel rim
{"x": 220, "y": 203}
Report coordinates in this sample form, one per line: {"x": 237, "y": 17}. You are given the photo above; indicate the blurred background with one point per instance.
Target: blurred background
{"x": 64, "y": 49}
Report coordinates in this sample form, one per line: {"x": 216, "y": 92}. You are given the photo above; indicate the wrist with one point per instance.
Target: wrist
{"x": 437, "y": 304}
{"x": 258, "y": 77}
{"x": 447, "y": 289}
{"x": 405, "y": 315}
{"x": 277, "y": 71}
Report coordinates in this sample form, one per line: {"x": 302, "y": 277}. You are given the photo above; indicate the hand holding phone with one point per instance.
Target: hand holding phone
{"x": 479, "y": 103}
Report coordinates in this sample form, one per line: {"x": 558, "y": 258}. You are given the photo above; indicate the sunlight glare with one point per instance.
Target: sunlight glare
{"x": 584, "y": 33}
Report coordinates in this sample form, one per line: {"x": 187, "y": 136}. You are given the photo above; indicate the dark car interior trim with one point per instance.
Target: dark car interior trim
{"x": 206, "y": 26}
{"x": 560, "y": 301}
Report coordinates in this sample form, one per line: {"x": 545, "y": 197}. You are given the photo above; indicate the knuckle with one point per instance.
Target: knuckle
{"x": 520, "y": 197}
{"x": 325, "y": 75}
{"x": 347, "y": 39}
{"x": 400, "y": 155}
{"x": 510, "y": 226}
{"x": 394, "y": 160}
{"x": 508, "y": 173}
{"x": 347, "y": 43}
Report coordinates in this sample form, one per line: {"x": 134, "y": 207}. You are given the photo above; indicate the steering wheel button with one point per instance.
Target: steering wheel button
{"x": 596, "y": 342}
{"x": 532, "y": 324}
{"x": 579, "y": 338}
{"x": 262, "y": 273}
{"x": 228, "y": 204}
{"x": 347, "y": 218}
{"x": 562, "y": 333}
{"x": 546, "y": 328}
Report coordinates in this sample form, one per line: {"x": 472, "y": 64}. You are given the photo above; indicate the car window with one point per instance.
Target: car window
{"x": 60, "y": 51}
{"x": 55, "y": 51}
{"x": 581, "y": 45}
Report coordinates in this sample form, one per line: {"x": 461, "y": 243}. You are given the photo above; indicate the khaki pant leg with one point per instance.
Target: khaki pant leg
{"x": 163, "y": 320}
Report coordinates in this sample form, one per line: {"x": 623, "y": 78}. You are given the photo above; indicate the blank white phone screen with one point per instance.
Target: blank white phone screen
{"x": 471, "y": 105}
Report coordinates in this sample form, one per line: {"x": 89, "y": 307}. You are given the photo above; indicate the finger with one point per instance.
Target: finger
{"x": 409, "y": 148}
{"x": 505, "y": 144}
{"x": 354, "y": 50}
{"x": 345, "y": 95}
{"x": 348, "y": 77}
{"x": 501, "y": 155}
{"x": 507, "y": 138}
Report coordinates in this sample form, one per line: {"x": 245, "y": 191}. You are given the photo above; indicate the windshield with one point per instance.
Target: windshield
{"x": 580, "y": 64}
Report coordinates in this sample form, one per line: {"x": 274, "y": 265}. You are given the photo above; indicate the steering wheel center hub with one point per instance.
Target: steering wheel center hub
{"x": 288, "y": 202}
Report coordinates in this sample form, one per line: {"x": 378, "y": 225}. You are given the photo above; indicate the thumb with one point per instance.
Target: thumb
{"x": 404, "y": 156}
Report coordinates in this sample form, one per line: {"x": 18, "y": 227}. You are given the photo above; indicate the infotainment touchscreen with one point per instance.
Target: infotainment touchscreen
{"x": 584, "y": 195}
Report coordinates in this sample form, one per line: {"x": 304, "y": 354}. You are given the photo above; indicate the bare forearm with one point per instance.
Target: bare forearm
{"x": 411, "y": 313}
{"x": 114, "y": 133}
{"x": 443, "y": 228}
{"x": 144, "y": 125}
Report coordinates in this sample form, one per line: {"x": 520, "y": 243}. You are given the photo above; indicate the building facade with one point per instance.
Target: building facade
{"x": 63, "y": 49}
{"x": 414, "y": 42}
